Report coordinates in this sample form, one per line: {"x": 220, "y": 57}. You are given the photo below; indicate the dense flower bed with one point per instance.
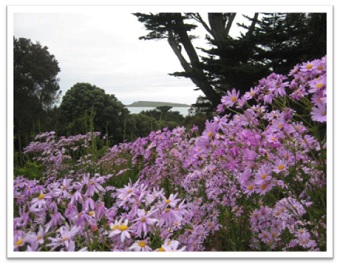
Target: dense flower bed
{"x": 254, "y": 180}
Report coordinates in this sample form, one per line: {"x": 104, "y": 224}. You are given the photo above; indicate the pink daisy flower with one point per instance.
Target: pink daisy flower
{"x": 140, "y": 245}
{"x": 319, "y": 113}
{"x": 120, "y": 228}
{"x": 231, "y": 98}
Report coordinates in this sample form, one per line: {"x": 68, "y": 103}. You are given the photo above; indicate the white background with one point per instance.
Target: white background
{"x": 159, "y": 262}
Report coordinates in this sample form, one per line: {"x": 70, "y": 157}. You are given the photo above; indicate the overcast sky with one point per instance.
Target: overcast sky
{"x": 100, "y": 45}
{"x": 102, "y": 48}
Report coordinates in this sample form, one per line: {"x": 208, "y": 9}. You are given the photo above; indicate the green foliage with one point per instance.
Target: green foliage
{"x": 36, "y": 89}
{"x": 31, "y": 170}
{"x": 283, "y": 40}
{"x": 155, "y": 104}
{"x": 164, "y": 114}
{"x": 35, "y": 73}
{"x": 276, "y": 42}
{"x": 84, "y": 101}
{"x": 139, "y": 125}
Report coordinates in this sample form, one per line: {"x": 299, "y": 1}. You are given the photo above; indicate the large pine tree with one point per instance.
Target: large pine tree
{"x": 272, "y": 42}
{"x": 277, "y": 43}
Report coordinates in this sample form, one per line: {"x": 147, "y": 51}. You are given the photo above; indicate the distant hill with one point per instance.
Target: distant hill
{"x": 153, "y": 104}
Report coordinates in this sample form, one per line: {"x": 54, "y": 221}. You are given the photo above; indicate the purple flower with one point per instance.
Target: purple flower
{"x": 36, "y": 239}
{"x": 319, "y": 113}
{"x": 143, "y": 223}
{"x": 120, "y": 228}
{"x": 140, "y": 245}
{"x": 39, "y": 203}
{"x": 170, "y": 245}
{"x": 93, "y": 185}
{"x": 231, "y": 98}
{"x": 64, "y": 238}
{"x": 56, "y": 219}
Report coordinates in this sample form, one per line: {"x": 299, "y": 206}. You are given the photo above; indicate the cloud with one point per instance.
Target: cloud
{"x": 104, "y": 50}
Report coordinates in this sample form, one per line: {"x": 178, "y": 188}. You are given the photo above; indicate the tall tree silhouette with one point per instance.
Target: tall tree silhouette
{"x": 36, "y": 88}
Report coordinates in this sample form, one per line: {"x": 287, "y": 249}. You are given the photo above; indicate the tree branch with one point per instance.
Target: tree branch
{"x": 230, "y": 22}
{"x": 175, "y": 47}
{"x": 253, "y": 24}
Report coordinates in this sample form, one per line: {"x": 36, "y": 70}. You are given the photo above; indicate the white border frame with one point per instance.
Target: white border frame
{"x": 11, "y": 10}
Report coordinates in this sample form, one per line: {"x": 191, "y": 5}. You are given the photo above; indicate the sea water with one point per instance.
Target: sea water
{"x": 182, "y": 110}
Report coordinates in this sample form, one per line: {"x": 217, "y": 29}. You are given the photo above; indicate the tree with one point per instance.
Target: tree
{"x": 36, "y": 89}
{"x": 139, "y": 125}
{"x": 164, "y": 117}
{"x": 277, "y": 43}
{"x": 273, "y": 43}
{"x": 86, "y": 107}
{"x": 172, "y": 26}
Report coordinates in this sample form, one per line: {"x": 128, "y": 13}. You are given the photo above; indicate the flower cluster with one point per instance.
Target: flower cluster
{"x": 255, "y": 179}
{"x": 270, "y": 224}
{"x": 63, "y": 215}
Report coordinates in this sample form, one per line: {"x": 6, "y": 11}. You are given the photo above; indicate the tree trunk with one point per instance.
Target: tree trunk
{"x": 193, "y": 69}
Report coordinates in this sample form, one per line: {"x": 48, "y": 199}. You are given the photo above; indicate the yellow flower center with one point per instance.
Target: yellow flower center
{"x": 19, "y": 242}
{"x": 323, "y": 113}
{"x": 167, "y": 210}
{"x": 167, "y": 201}
{"x": 39, "y": 237}
{"x": 281, "y": 167}
{"x": 234, "y": 98}
{"x": 91, "y": 213}
{"x": 309, "y": 66}
{"x": 319, "y": 85}
{"x": 210, "y": 134}
{"x": 143, "y": 219}
{"x": 161, "y": 249}
{"x": 142, "y": 244}
{"x": 123, "y": 227}
{"x": 250, "y": 187}
{"x": 63, "y": 187}
{"x": 129, "y": 191}
{"x": 263, "y": 187}
{"x": 114, "y": 227}
{"x": 320, "y": 67}
{"x": 263, "y": 176}
{"x": 41, "y": 196}
{"x": 64, "y": 238}
{"x": 252, "y": 93}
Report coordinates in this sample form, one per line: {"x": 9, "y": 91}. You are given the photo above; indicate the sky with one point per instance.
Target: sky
{"x": 103, "y": 49}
